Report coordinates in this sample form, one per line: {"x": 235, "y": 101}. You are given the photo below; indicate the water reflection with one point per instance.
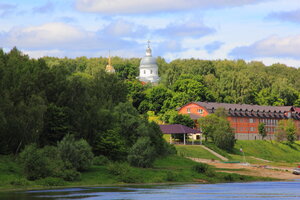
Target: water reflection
{"x": 255, "y": 191}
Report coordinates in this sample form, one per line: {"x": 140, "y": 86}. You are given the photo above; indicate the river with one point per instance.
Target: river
{"x": 250, "y": 191}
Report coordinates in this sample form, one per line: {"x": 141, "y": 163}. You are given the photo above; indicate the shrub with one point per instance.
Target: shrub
{"x": 142, "y": 153}
{"x": 124, "y": 173}
{"x": 118, "y": 168}
{"x": 171, "y": 176}
{"x": 100, "y": 160}
{"x": 210, "y": 172}
{"x": 34, "y": 163}
{"x": 71, "y": 175}
{"x": 169, "y": 149}
{"x": 228, "y": 178}
{"x": 20, "y": 182}
{"x": 51, "y": 181}
{"x": 201, "y": 168}
{"x": 78, "y": 153}
{"x": 130, "y": 178}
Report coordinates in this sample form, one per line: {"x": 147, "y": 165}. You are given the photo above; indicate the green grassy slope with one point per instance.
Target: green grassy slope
{"x": 170, "y": 169}
{"x": 273, "y": 151}
{"x": 194, "y": 151}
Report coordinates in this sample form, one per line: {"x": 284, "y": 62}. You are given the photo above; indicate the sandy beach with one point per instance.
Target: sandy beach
{"x": 252, "y": 170}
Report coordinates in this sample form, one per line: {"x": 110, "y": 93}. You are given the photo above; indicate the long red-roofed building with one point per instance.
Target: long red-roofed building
{"x": 245, "y": 118}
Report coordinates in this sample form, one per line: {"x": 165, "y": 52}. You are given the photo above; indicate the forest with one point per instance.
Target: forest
{"x": 44, "y": 101}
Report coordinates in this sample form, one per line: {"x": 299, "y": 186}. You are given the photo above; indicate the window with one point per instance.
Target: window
{"x": 151, "y": 71}
{"x": 241, "y": 128}
{"x": 251, "y": 129}
{"x": 144, "y": 71}
{"x": 241, "y": 119}
{"x": 251, "y": 120}
{"x": 188, "y": 110}
{"x": 200, "y": 111}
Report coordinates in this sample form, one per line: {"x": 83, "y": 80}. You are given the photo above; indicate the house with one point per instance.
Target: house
{"x": 245, "y": 118}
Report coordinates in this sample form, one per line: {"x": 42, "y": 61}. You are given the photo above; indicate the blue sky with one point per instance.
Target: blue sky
{"x": 260, "y": 30}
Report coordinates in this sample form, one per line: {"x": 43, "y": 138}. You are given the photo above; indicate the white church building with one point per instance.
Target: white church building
{"x": 148, "y": 68}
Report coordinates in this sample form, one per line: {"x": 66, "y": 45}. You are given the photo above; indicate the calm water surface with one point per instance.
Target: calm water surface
{"x": 256, "y": 190}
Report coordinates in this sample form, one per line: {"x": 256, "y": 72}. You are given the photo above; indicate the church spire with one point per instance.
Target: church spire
{"x": 109, "y": 68}
{"x": 148, "y": 50}
{"x": 109, "y": 60}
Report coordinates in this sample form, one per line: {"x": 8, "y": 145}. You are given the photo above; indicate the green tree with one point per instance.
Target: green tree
{"x": 280, "y": 133}
{"x": 216, "y": 127}
{"x": 111, "y": 145}
{"x": 290, "y": 130}
{"x": 77, "y": 153}
{"x": 142, "y": 153}
{"x": 182, "y": 119}
{"x": 262, "y": 130}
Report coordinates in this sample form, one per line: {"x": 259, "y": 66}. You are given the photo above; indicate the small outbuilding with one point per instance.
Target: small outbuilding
{"x": 178, "y": 129}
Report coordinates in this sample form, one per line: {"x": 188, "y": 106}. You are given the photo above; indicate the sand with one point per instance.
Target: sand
{"x": 252, "y": 170}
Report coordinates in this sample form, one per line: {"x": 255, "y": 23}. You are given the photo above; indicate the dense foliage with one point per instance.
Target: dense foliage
{"x": 286, "y": 130}
{"x": 185, "y": 80}
{"x": 43, "y": 101}
{"x": 216, "y": 127}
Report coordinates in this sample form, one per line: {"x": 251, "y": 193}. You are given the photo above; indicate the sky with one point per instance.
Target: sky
{"x": 253, "y": 30}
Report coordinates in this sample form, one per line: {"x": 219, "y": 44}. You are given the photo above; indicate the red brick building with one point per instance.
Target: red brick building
{"x": 244, "y": 118}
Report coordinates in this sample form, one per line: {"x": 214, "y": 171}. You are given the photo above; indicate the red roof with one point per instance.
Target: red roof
{"x": 176, "y": 128}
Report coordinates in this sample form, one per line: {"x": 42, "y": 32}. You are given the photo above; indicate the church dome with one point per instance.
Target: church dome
{"x": 148, "y": 68}
{"x": 147, "y": 60}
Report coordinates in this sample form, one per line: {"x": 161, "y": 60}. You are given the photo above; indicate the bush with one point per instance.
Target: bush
{"x": 228, "y": 178}
{"x": 117, "y": 169}
{"x": 71, "y": 175}
{"x": 210, "y": 172}
{"x": 201, "y": 168}
{"x": 78, "y": 153}
{"x": 34, "y": 163}
{"x": 142, "y": 153}
{"x": 169, "y": 149}
{"x": 100, "y": 160}
{"x": 51, "y": 181}
{"x": 171, "y": 176}
{"x": 20, "y": 182}
{"x": 124, "y": 173}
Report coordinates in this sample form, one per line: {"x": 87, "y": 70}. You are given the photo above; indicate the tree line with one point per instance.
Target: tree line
{"x": 48, "y": 105}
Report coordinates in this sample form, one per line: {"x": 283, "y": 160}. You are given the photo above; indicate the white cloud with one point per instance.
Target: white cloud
{"x": 50, "y": 34}
{"x": 186, "y": 29}
{"x": 121, "y": 28}
{"x": 42, "y": 53}
{"x": 274, "y": 46}
{"x": 60, "y": 36}
{"x": 141, "y": 7}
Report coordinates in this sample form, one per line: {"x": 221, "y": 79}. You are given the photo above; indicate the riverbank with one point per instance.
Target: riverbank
{"x": 268, "y": 171}
{"x": 168, "y": 170}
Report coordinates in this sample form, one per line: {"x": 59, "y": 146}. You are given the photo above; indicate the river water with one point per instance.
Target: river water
{"x": 246, "y": 191}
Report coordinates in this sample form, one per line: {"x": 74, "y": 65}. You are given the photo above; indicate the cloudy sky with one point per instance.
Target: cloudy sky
{"x": 261, "y": 30}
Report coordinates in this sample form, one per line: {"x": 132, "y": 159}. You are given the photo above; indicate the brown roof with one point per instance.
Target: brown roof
{"x": 211, "y": 106}
{"x": 176, "y": 128}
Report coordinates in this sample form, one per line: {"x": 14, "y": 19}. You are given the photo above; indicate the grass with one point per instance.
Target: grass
{"x": 169, "y": 169}
{"x": 273, "y": 151}
{"x": 194, "y": 151}
{"x": 279, "y": 154}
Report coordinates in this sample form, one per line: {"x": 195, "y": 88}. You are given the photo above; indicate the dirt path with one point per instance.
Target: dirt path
{"x": 252, "y": 170}
{"x": 214, "y": 153}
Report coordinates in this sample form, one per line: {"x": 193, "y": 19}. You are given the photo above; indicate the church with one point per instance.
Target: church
{"x": 148, "y": 68}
